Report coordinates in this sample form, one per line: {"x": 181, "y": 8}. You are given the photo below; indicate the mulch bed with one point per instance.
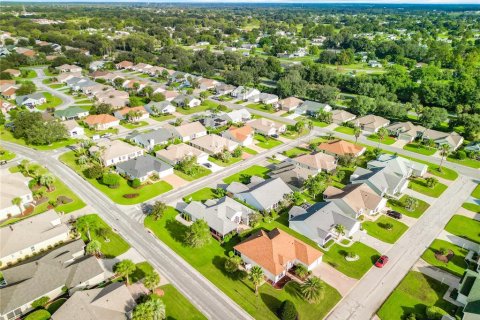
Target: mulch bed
{"x": 445, "y": 258}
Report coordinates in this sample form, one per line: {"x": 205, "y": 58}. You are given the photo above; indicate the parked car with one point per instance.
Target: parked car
{"x": 208, "y": 165}
{"x": 274, "y": 135}
{"x": 2, "y": 162}
{"x": 394, "y": 214}
{"x": 381, "y": 262}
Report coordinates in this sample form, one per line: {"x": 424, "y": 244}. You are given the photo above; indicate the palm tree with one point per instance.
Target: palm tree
{"x": 158, "y": 209}
{"x": 382, "y": 133}
{"x": 313, "y": 289}
{"x": 47, "y": 180}
{"x": 339, "y": 229}
{"x": 444, "y": 150}
{"x": 102, "y": 232}
{"x": 82, "y": 159}
{"x": 93, "y": 248}
{"x": 17, "y": 201}
{"x": 357, "y": 131}
{"x": 151, "y": 280}
{"x": 84, "y": 225}
{"x": 256, "y": 276}
{"x": 24, "y": 166}
{"x": 125, "y": 268}
{"x": 153, "y": 309}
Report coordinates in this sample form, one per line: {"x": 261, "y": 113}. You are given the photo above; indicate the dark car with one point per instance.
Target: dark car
{"x": 394, "y": 214}
{"x": 381, "y": 262}
{"x": 2, "y": 162}
{"x": 208, "y": 165}
{"x": 274, "y": 136}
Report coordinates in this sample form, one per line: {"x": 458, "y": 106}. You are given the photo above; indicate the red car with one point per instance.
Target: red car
{"x": 381, "y": 262}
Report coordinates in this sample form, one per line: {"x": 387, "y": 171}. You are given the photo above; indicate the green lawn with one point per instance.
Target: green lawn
{"x": 209, "y": 261}
{"x": 471, "y": 206}
{"x": 346, "y": 130}
{"x": 141, "y": 270}
{"x": 83, "y": 101}
{"x": 418, "y": 148}
{"x": 7, "y": 135}
{"x": 414, "y": 294}
{"x": 52, "y": 101}
{"x": 114, "y": 245}
{"x": 398, "y": 205}
{"x": 318, "y": 123}
{"x": 456, "y": 266}
{"x": 419, "y": 185}
{"x": 254, "y": 170}
{"x": 201, "y": 195}
{"x": 163, "y": 118}
{"x": 472, "y": 163}
{"x": 295, "y": 152}
{"x": 177, "y": 306}
{"x": 206, "y": 105}
{"x": 260, "y": 107}
{"x": 249, "y": 151}
{"x": 225, "y": 164}
{"x": 56, "y": 85}
{"x": 130, "y": 125}
{"x": 376, "y": 229}
{"x": 266, "y": 142}
{"x": 144, "y": 193}
{"x": 386, "y": 140}
{"x": 292, "y": 134}
{"x": 476, "y": 192}
{"x": 464, "y": 227}
{"x": 202, "y": 172}
{"x": 6, "y": 155}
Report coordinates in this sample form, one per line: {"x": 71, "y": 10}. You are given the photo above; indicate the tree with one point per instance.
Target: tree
{"x": 151, "y": 280}
{"x": 47, "y": 180}
{"x": 136, "y": 183}
{"x": 93, "y": 248}
{"x": 315, "y": 185}
{"x": 157, "y": 97}
{"x": 431, "y": 182}
{"x": 381, "y": 133}
{"x": 103, "y": 232}
{"x": 112, "y": 180}
{"x": 434, "y": 313}
{"x": 256, "y": 276}
{"x": 411, "y": 203}
{"x": 95, "y": 171}
{"x": 220, "y": 192}
{"x": 237, "y": 153}
{"x": 152, "y": 309}
{"x": 357, "y": 131}
{"x": 299, "y": 126}
{"x": 232, "y": 263}
{"x": 40, "y": 302}
{"x": 17, "y": 201}
{"x": 27, "y": 87}
{"x": 31, "y": 127}
{"x": 313, "y": 289}
{"x": 444, "y": 151}
{"x": 198, "y": 234}
{"x": 340, "y": 229}
{"x": 301, "y": 271}
{"x": 433, "y": 117}
{"x": 287, "y": 311}
{"x": 125, "y": 268}
{"x": 158, "y": 209}
{"x": 84, "y": 225}
{"x": 362, "y": 105}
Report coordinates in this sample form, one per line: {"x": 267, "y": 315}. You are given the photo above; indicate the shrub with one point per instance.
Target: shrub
{"x": 434, "y": 313}
{"x": 94, "y": 172}
{"x": 287, "y": 311}
{"x": 39, "y": 315}
{"x": 130, "y": 195}
{"x": 442, "y": 251}
{"x": 111, "y": 179}
{"x": 461, "y": 155}
{"x": 40, "y": 302}
{"x": 136, "y": 183}
{"x": 301, "y": 271}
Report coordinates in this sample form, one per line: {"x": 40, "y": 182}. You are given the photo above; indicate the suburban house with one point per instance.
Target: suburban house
{"x": 175, "y": 153}
{"x": 469, "y": 295}
{"x": 371, "y": 123}
{"x": 223, "y": 216}
{"x": 276, "y": 252}
{"x": 341, "y": 116}
{"x": 214, "y": 144}
{"x": 113, "y": 302}
{"x": 290, "y": 103}
{"x": 242, "y": 135}
{"x": 292, "y": 174}
{"x": 158, "y": 108}
{"x": 96, "y": 65}
{"x": 213, "y": 121}
{"x": 318, "y": 222}
{"x": 355, "y": 199}
{"x": 452, "y": 139}
{"x": 405, "y": 131}
{"x": 64, "y": 77}
{"x": 312, "y": 108}
{"x": 64, "y": 267}
{"x": 31, "y": 236}
{"x": 124, "y": 65}
{"x": 170, "y": 95}
{"x": 237, "y": 116}
{"x": 265, "y": 98}
{"x": 316, "y": 162}
{"x": 138, "y": 114}
{"x": 13, "y": 72}
{"x": 188, "y": 131}
{"x": 143, "y": 167}
{"x": 206, "y": 84}
{"x": 101, "y": 121}
{"x": 142, "y": 67}
{"x": 340, "y": 148}
{"x": 116, "y": 151}
{"x": 13, "y": 185}
{"x": 244, "y": 93}
{"x": 150, "y": 139}
{"x": 9, "y": 91}
{"x": 31, "y": 100}
{"x": 267, "y": 127}
{"x": 73, "y": 128}
{"x": 382, "y": 180}
{"x": 398, "y": 165}
{"x": 222, "y": 89}
{"x": 184, "y": 100}
{"x": 68, "y": 68}
{"x": 71, "y": 113}
{"x": 264, "y": 195}
{"x": 29, "y": 53}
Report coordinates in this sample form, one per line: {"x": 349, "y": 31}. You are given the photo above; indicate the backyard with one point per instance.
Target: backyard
{"x": 456, "y": 264}
{"x": 464, "y": 227}
{"x": 295, "y": 152}
{"x": 385, "y": 229}
{"x": 118, "y": 195}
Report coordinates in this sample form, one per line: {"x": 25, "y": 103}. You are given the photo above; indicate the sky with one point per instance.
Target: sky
{"x": 277, "y": 1}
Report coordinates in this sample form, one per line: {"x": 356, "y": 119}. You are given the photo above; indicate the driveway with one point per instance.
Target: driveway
{"x": 214, "y": 167}
{"x": 334, "y": 278}
{"x": 373, "y": 242}
{"x": 419, "y": 195}
{"x": 175, "y": 181}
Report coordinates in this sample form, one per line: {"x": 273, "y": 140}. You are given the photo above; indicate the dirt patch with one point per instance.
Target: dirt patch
{"x": 445, "y": 258}
{"x": 64, "y": 200}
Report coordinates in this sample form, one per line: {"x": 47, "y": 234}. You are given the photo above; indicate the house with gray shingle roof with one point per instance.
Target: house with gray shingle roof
{"x": 381, "y": 180}
{"x": 31, "y": 100}
{"x": 223, "y": 216}
{"x": 158, "y": 108}
{"x": 149, "y": 140}
{"x": 401, "y": 166}
{"x": 64, "y": 267}
{"x": 311, "y": 108}
{"x": 70, "y": 113}
{"x": 144, "y": 167}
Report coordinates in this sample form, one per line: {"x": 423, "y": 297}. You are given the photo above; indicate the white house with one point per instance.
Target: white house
{"x": 73, "y": 128}
{"x": 13, "y": 185}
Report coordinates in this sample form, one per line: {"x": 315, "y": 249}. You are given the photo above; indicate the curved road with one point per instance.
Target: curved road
{"x": 67, "y": 100}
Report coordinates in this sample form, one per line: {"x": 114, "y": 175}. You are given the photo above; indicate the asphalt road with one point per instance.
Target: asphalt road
{"x": 67, "y": 100}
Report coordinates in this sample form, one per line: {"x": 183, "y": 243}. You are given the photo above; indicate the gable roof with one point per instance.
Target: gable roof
{"x": 94, "y": 119}
{"x": 340, "y": 115}
{"x": 341, "y": 147}
{"x": 158, "y": 136}
{"x": 213, "y": 143}
{"x": 380, "y": 179}
{"x": 142, "y": 166}
{"x": 268, "y": 192}
{"x": 291, "y": 174}
{"x": 272, "y": 250}
{"x": 240, "y": 134}
{"x": 398, "y": 165}
{"x": 69, "y": 112}
{"x": 114, "y": 149}
{"x": 354, "y": 197}
{"x": 177, "y": 152}
{"x": 290, "y": 102}
{"x": 317, "y": 160}
{"x": 189, "y": 129}
{"x": 371, "y": 121}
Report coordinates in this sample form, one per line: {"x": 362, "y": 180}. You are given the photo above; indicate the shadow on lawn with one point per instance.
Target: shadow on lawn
{"x": 176, "y": 230}
{"x": 271, "y": 302}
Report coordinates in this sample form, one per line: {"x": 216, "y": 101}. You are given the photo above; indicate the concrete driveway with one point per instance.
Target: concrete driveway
{"x": 175, "y": 181}
{"x": 334, "y": 278}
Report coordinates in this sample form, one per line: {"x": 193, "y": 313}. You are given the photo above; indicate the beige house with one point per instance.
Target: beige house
{"x": 175, "y": 153}
{"x": 243, "y": 135}
{"x": 316, "y": 162}
{"x": 188, "y": 131}
{"x": 371, "y": 123}
{"x": 341, "y": 116}
{"x": 290, "y": 103}
{"x": 267, "y": 127}
{"x": 356, "y": 198}
{"x": 31, "y": 236}
{"x": 68, "y": 68}
{"x": 116, "y": 151}
{"x": 13, "y": 185}
{"x": 213, "y": 144}
{"x": 73, "y": 128}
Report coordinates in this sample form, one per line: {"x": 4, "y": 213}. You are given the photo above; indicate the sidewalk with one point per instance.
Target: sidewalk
{"x": 464, "y": 243}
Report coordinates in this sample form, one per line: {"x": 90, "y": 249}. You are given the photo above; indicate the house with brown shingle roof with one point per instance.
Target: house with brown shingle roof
{"x": 124, "y": 65}
{"x": 101, "y": 121}
{"x": 276, "y": 252}
{"x": 356, "y": 199}
{"x": 122, "y": 114}
{"x": 243, "y": 135}
{"x": 341, "y": 116}
{"x": 290, "y": 103}
{"x": 13, "y": 72}
{"x": 214, "y": 144}
{"x": 341, "y": 148}
{"x": 188, "y": 131}
{"x": 371, "y": 123}
{"x": 316, "y": 162}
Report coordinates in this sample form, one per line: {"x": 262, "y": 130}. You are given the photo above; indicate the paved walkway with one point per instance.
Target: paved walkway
{"x": 461, "y": 242}
{"x": 373, "y": 242}
{"x": 470, "y": 214}
{"x": 436, "y": 273}
{"x": 419, "y": 195}
{"x": 400, "y": 143}
{"x": 334, "y": 278}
